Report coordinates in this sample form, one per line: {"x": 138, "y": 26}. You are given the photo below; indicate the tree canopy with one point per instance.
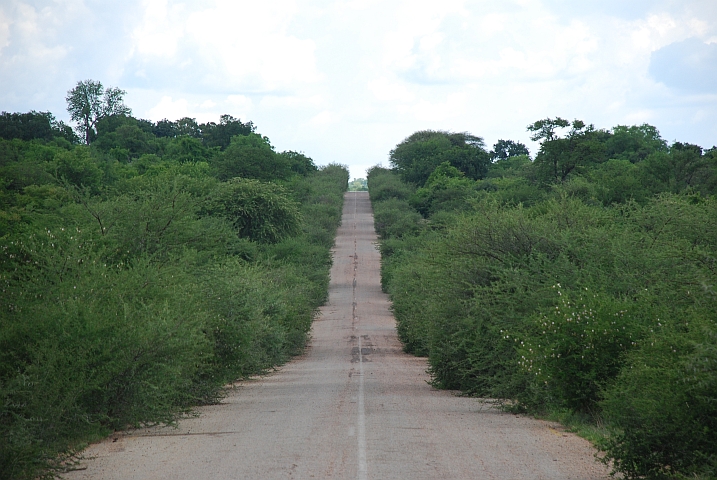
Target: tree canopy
{"x": 504, "y": 149}
{"x": 418, "y": 155}
{"x": 89, "y": 102}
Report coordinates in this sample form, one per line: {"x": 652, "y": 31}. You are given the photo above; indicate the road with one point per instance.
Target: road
{"x": 354, "y": 406}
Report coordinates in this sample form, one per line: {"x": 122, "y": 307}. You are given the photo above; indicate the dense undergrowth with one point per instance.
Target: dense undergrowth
{"x": 142, "y": 273}
{"x": 581, "y": 284}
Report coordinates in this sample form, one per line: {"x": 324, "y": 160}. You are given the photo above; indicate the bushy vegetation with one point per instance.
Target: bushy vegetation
{"x": 581, "y": 281}
{"x": 358, "y": 185}
{"x": 139, "y": 277}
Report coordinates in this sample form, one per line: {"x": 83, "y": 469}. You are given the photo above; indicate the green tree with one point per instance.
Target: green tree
{"x": 78, "y": 168}
{"x": 188, "y": 127}
{"x": 687, "y": 161}
{"x": 32, "y": 125}
{"x": 634, "y": 143}
{"x": 299, "y": 163}
{"x": 165, "y": 128}
{"x": 545, "y": 129}
{"x": 187, "y": 149}
{"x": 120, "y": 133}
{"x": 89, "y": 102}
{"x": 251, "y": 156}
{"x": 220, "y": 135}
{"x": 504, "y": 149}
{"x": 416, "y": 157}
{"x": 560, "y": 157}
{"x": 259, "y": 211}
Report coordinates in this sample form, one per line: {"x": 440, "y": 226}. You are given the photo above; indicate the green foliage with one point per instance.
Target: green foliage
{"x": 559, "y": 158}
{"x": 634, "y": 143}
{"x": 513, "y": 166}
{"x": 617, "y": 181}
{"x": 579, "y": 346}
{"x": 299, "y": 163}
{"x": 581, "y": 283}
{"x": 506, "y": 149}
{"x": 89, "y": 102}
{"x": 79, "y": 168}
{"x": 445, "y": 189}
{"x": 251, "y": 156}
{"x": 663, "y": 407}
{"x": 396, "y": 218}
{"x": 187, "y": 149}
{"x": 220, "y": 135}
{"x": 545, "y": 129}
{"x": 135, "y": 284}
{"x": 418, "y": 155}
{"x": 386, "y": 184}
{"x": 34, "y": 125}
{"x": 258, "y": 211}
{"x": 358, "y": 185}
{"x": 124, "y": 138}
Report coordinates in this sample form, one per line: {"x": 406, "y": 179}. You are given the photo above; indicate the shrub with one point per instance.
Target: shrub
{"x": 262, "y": 212}
{"x": 578, "y": 347}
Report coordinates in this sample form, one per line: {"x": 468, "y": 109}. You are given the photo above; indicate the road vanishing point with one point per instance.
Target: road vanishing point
{"x": 353, "y": 406}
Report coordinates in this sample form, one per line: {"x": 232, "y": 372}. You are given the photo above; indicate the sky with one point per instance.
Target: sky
{"x": 344, "y": 81}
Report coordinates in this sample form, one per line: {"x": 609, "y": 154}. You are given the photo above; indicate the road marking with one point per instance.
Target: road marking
{"x": 362, "y": 464}
{"x": 361, "y": 421}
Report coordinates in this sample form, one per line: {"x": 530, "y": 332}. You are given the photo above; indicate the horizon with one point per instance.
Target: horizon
{"x": 345, "y": 81}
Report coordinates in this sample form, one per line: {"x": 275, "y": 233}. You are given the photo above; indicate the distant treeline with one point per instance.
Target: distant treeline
{"x": 143, "y": 271}
{"x": 580, "y": 282}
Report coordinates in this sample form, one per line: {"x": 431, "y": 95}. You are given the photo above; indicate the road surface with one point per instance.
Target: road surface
{"x": 354, "y": 406}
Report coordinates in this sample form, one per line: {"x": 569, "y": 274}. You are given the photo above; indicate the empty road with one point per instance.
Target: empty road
{"x": 352, "y": 407}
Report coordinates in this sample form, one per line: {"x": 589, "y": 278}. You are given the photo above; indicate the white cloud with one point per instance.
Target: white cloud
{"x": 345, "y": 80}
{"x": 226, "y": 45}
{"x": 387, "y": 90}
{"x": 293, "y": 101}
{"x": 169, "y": 109}
{"x": 30, "y": 30}
{"x": 323, "y": 119}
{"x": 4, "y": 29}
{"x": 428, "y": 111}
{"x": 239, "y": 101}
{"x": 161, "y": 29}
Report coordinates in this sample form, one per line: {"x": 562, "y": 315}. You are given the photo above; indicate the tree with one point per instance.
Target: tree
{"x": 165, "y": 128}
{"x": 634, "y": 143}
{"x": 251, "y": 156}
{"x": 220, "y": 135}
{"x": 89, "y": 102}
{"x": 559, "y": 157}
{"x": 299, "y": 163}
{"x": 417, "y": 156}
{"x": 188, "y": 127}
{"x": 32, "y": 125}
{"x": 545, "y": 129}
{"x": 259, "y": 211}
{"x": 504, "y": 149}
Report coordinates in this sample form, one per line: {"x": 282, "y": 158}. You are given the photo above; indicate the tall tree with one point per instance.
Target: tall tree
{"x": 559, "y": 157}
{"x": 545, "y": 129}
{"x": 504, "y": 149}
{"x": 417, "y": 156}
{"x": 89, "y": 102}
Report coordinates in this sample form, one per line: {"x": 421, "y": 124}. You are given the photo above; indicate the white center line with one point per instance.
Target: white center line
{"x": 361, "y": 421}
{"x": 362, "y": 464}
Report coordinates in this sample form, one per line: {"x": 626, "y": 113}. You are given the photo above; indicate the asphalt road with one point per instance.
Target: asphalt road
{"x": 353, "y": 406}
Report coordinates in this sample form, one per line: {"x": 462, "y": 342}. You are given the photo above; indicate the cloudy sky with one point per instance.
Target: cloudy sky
{"x": 346, "y": 80}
